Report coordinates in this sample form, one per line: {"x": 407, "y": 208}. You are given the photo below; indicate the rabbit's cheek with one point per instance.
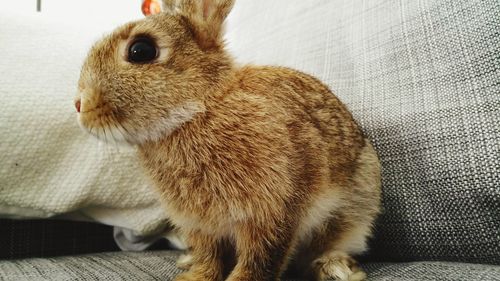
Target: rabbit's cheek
{"x": 163, "y": 126}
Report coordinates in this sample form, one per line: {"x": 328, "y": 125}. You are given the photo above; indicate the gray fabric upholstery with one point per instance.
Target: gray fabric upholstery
{"x": 105, "y": 266}
{"x": 439, "y": 140}
{"x": 431, "y": 271}
{"x": 423, "y": 80}
{"x": 161, "y": 266}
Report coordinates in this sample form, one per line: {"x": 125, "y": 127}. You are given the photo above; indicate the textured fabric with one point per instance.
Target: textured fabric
{"x": 48, "y": 238}
{"x": 107, "y": 266}
{"x": 432, "y": 271}
{"x": 48, "y": 166}
{"x": 128, "y": 240}
{"x": 161, "y": 266}
{"x": 422, "y": 79}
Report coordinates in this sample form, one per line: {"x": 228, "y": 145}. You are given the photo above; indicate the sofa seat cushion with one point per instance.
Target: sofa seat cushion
{"x": 160, "y": 265}
{"x": 432, "y": 270}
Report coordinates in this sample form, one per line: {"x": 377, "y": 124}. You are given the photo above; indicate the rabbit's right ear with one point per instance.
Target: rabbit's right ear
{"x": 184, "y": 7}
{"x": 206, "y": 17}
{"x": 170, "y": 6}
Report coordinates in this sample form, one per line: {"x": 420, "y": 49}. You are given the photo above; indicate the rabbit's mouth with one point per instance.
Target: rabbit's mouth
{"x": 103, "y": 124}
{"x": 111, "y": 134}
{"x": 103, "y": 127}
{"x": 99, "y": 119}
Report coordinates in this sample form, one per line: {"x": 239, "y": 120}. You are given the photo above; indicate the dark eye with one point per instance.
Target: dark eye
{"x": 142, "y": 50}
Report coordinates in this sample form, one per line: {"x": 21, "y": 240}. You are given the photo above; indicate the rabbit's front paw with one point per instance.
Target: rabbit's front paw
{"x": 339, "y": 267}
{"x": 185, "y": 261}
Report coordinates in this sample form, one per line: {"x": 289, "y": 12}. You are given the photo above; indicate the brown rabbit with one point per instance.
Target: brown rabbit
{"x": 261, "y": 163}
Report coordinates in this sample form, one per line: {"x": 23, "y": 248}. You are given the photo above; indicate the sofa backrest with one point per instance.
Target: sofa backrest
{"x": 422, "y": 78}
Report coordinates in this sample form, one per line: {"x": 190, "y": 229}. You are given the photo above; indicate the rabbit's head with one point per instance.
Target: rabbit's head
{"x": 148, "y": 77}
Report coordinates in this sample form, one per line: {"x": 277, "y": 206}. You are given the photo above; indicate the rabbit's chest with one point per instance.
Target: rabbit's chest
{"x": 191, "y": 204}
{"x": 191, "y": 199}
{"x": 208, "y": 220}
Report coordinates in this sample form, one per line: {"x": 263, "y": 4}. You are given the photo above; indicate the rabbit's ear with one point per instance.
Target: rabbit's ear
{"x": 206, "y": 17}
{"x": 170, "y": 6}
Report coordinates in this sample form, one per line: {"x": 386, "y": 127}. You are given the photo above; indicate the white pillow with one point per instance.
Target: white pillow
{"x": 48, "y": 166}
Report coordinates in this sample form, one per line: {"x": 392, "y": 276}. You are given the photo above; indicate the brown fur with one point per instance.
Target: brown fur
{"x": 263, "y": 163}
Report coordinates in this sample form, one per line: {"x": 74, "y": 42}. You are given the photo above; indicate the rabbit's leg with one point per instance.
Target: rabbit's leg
{"x": 206, "y": 258}
{"x": 328, "y": 254}
{"x": 185, "y": 261}
{"x": 346, "y": 233}
{"x": 262, "y": 252}
{"x": 339, "y": 266}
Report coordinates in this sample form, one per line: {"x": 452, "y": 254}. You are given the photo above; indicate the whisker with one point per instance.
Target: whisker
{"x": 129, "y": 134}
{"x": 104, "y": 133}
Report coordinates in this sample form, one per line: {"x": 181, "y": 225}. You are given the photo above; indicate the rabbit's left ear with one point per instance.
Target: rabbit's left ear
{"x": 206, "y": 17}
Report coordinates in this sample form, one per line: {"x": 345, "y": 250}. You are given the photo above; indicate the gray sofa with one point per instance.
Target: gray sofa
{"x": 423, "y": 80}
{"x": 160, "y": 265}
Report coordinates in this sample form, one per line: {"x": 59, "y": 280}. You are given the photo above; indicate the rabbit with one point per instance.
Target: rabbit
{"x": 262, "y": 169}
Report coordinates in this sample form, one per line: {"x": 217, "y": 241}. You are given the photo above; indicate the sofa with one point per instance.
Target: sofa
{"x": 422, "y": 78}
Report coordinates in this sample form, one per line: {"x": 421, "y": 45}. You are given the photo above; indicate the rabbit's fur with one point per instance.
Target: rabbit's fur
{"x": 263, "y": 164}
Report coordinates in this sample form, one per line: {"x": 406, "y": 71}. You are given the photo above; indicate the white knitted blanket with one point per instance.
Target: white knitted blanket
{"x": 48, "y": 166}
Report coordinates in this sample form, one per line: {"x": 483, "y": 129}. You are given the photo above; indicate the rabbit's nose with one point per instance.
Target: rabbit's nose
{"x": 77, "y": 105}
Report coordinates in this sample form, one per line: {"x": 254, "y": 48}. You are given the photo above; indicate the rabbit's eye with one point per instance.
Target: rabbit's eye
{"x": 142, "y": 51}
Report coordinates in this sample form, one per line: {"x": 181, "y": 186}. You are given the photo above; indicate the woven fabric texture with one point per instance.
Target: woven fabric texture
{"x": 423, "y": 80}
{"x": 160, "y": 265}
{"x": 431, "y": 271}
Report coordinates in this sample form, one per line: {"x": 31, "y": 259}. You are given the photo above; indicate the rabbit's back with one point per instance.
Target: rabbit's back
{"x": 312, "y": 114}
